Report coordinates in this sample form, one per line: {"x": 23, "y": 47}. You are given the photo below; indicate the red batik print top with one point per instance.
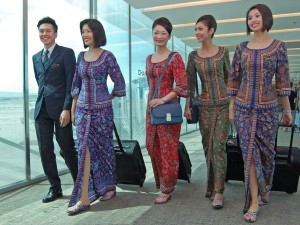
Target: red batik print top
{"x": 175, "y": 72}
{"x": 251, "y": 77}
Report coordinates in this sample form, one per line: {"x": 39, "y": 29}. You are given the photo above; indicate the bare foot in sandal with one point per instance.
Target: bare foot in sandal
{"x": 251, "y": 215}
{"x": 162, "y": 198}
{"x": 218, "y": 201}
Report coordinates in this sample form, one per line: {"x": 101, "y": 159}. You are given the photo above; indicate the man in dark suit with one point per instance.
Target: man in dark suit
{"x": 54, "y": 68}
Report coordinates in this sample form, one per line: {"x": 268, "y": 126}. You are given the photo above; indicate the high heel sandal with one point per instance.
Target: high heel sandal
{"x": 217, "y": 203}
{"x": 162, "y": 199}
{"x": 76, "y": 209}
{"x": 108, "y": 196}
{"x": 251, "y": 216}
{"x": 262, "y": 201}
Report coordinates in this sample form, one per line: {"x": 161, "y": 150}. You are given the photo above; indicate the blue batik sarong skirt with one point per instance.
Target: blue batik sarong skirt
{"x": 257, "y": 131}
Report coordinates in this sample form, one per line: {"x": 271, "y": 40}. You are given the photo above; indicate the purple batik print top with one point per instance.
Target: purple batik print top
{"x": 90, "y": 81}
{"x": 252, "y": 73}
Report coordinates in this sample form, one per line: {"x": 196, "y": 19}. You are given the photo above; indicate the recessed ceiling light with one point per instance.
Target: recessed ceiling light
{"x": 237, "y": 20}
{"x": 292, "y": 41}
{"x": 244, "y": 33}
{"x": 293, "y": 49}
{"x": 186, "y": 4}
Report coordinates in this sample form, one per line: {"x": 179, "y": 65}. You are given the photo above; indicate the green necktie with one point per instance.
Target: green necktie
{"x": 45, "y": 57}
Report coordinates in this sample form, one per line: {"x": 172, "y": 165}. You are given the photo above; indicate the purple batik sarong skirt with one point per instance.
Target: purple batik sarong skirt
{"x": 94, "y": 128}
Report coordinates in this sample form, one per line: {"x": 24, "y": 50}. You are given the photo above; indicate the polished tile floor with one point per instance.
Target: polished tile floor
{"x": 134, "y": 205}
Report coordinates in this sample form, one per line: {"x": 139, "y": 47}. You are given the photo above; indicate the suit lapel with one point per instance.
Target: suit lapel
{"x": 53, "y": 56}
{"x": 39, "y": 60}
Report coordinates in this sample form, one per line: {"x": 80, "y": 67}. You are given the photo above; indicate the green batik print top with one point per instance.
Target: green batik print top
{"x": 213, "y": 72}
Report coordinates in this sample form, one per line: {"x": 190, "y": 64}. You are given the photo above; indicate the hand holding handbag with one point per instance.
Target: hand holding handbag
{"x": 168, "y": 113}
{"x": 193, "y": 106}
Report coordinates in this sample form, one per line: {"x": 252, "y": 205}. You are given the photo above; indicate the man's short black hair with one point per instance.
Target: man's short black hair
{"x": 48, "y": 20}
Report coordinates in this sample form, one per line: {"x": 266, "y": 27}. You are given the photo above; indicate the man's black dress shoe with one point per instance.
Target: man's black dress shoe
{"x": 52, "y": 195}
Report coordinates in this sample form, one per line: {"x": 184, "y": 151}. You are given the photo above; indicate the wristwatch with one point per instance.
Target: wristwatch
{"x": 164, "y": 99}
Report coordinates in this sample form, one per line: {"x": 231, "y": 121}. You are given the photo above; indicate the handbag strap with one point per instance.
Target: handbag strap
{"x": 118, "y": 138}
{"x": 162, "y": 74}
{"x": 194, "y": 74}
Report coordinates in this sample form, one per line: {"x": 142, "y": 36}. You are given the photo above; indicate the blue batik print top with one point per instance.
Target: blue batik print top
{"x": 251, "y": 78}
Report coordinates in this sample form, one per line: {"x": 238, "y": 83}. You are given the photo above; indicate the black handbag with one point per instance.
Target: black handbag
{"x": 193, "y": 99}
{"x": 168, "y": 113}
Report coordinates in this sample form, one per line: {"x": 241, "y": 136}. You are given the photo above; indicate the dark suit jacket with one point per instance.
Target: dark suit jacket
{"x": 55, "y": 81}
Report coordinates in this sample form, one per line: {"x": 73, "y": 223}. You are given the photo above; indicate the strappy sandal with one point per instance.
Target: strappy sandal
{"x": 76, "y": 209}
{"x": 162, "y": 199}
{"x": 217, "y": 203}
{"x": 250, "y": 216}
{"x": 262, "y": 201}
{"x": 108, "y": 196}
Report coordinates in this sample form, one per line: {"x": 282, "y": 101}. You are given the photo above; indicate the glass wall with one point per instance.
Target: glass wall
{"x": 129, "y": 38}
{"x": 68, "y": 35}
{"x": 115, "y": 19}
{"x": 12, "y": 138}
{"x": 141, "y": 47}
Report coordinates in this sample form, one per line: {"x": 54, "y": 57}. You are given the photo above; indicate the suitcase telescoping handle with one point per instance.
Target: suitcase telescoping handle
{"x": 118, "y": 138}
{"x": 234, "y": 134}
{"x": 293, "y": 126}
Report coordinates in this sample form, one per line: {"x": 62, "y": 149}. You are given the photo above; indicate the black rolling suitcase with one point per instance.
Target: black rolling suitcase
{"x": 235, "y": 163}
{"x": 287, "y": 165}
{"x": 130, "y": 163}
{"x": 185, "y": 165}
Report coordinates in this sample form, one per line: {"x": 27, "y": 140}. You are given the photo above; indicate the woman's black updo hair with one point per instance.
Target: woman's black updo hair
{"x": 164, "y": 22}
{"x": 209, "y": 21}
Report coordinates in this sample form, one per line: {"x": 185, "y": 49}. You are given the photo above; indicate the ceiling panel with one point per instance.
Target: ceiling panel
{"x": 187, "y": 16}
